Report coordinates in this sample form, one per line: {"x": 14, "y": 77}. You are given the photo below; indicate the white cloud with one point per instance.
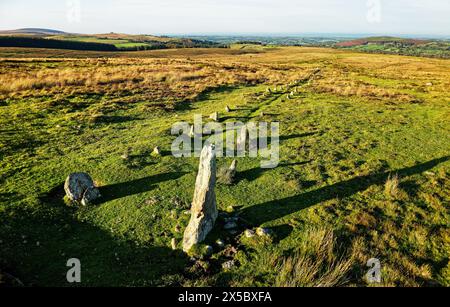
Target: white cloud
{"x": 187, "y": 16}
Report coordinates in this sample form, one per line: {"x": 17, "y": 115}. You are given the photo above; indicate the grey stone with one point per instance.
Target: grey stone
{"x": 156, "y": 151}
{"x": 80, "y": 188}
{"x": 204, "y": 208}
{"x": 214, "y": 116}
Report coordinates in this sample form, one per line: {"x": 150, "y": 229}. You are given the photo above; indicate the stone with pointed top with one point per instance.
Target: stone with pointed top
{"x": 214, "y": 116}
{"x": 204, "y": 209}
{"x": 156, "y": 151}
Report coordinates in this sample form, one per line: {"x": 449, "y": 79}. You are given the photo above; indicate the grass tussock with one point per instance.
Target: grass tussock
{"x": 226, "y": 176}
{"x": 391, "y": 186}
{"x": 317, "y": 263}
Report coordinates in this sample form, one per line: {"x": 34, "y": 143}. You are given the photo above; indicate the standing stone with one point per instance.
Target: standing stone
{"x": 173, "y": 243}
{"x": 215, "y": 116}
{"x": 204, "y": 209}
{"x": 233, "y": 168}
{"x": 156, "y": 151}
{"x": 80, "y": 188}
{"x": 227, "y": 109}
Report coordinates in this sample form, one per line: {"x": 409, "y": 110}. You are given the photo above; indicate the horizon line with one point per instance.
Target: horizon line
{"x": 257, "y": 34}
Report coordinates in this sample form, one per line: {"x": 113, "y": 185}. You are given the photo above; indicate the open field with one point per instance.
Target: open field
{"x": 400, "y": 46}
{"x": 364, "y": 170}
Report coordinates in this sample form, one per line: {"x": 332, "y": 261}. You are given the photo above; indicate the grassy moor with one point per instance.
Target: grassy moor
{"x": 364, "y": 167}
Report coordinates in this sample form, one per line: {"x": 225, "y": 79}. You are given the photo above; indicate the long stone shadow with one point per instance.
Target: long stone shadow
{"x": 272, "y": 210}
{"x": 137, "y": 186}
{"x": 105, "y": 260}
{"x": 296, "y": 136}
{"x": 255, "y": 173}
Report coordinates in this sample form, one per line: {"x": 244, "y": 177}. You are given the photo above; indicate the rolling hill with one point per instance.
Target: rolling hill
{"x": 47, "y": 38}
{"x": 401, "y": 46}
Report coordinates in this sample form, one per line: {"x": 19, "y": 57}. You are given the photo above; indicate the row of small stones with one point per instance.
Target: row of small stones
{"x": 215, "y": 116}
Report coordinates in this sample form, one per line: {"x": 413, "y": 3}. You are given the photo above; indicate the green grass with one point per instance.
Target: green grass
{"x": 336, "y": 155}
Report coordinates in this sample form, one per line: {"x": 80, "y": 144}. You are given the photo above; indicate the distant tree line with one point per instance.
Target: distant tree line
{"x": 249, "y": 42}
{"x": 35, "y": 42}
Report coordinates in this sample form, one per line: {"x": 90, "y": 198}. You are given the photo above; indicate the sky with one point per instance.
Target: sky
{"x": 407, "y": 17}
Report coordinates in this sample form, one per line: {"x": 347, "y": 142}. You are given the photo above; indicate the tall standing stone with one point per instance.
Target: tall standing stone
{"x": 233, "y": 167}
{"x": 204, "y": 209}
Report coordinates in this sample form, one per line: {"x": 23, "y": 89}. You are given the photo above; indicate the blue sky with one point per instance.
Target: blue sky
{"x": 419, "y": 17}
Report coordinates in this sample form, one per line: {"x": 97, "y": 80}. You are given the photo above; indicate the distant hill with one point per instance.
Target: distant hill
{"x": 33, "y": 31}
{"x": 400, "y": 46}
{"x": 380, "y": 40}
{"x": 47, "y": 38}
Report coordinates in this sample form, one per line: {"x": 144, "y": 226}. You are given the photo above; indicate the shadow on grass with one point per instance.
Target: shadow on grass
{"x": 272, "y": 210}
{"x": 137, "y": 186}
{"x": 296, "y": 136}
{"x": 206, "y": 94}
{"x": 255, "y": 173}
{"x": 109, "y": 119}
{"x": 105, "y": 259}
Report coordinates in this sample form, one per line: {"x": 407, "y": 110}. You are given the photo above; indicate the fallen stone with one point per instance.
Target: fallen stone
{"x": 80, "y": 188}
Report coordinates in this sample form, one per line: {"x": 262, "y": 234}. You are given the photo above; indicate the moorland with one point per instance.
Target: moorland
{"x": 364, "y": 170}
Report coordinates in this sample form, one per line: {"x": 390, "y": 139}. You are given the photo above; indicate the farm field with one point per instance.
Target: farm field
{"x": 364, "y": 166}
